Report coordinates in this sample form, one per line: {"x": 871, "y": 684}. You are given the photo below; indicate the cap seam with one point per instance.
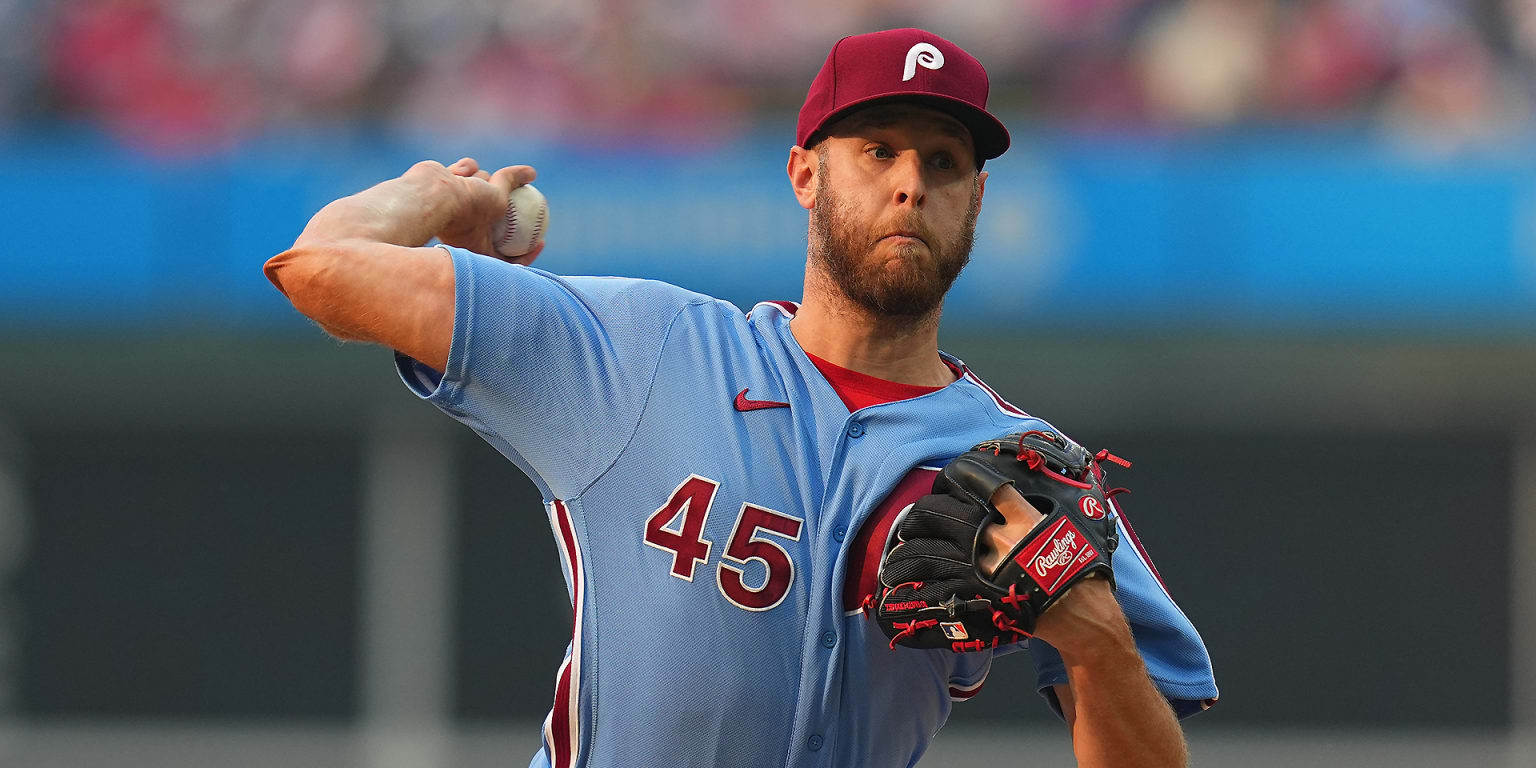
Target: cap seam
{"x": 835, "y": 49}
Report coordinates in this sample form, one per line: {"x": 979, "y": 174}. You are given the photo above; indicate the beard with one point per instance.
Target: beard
{"x": 846, "y": 253}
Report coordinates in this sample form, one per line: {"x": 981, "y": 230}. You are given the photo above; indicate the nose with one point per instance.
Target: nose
{"x": 909, "y": 187}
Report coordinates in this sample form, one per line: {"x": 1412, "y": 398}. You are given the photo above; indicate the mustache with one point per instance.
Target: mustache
{"x": 912, "y": 225}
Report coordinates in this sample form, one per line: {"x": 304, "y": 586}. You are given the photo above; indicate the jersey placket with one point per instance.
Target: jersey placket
{"x": 836, "y": 522}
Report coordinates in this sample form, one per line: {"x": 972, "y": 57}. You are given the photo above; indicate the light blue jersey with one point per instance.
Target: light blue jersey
{"x": 720, "y": 514}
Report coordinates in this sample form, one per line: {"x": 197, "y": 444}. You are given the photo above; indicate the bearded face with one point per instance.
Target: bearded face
{"x": 903, "y": 277}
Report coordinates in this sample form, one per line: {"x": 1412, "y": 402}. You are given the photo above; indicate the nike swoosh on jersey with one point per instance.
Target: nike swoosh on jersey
{"x": 743, "y": 404}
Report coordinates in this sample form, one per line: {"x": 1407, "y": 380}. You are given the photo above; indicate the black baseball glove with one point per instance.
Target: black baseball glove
{"x": 933, "y": 593}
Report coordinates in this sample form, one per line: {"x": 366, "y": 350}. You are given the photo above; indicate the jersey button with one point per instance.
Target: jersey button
{"x": 814, "y": 742}
{"x": 828, "y": 639}
{"x": 855, "y": 429}
{"x": 839, "y": 532}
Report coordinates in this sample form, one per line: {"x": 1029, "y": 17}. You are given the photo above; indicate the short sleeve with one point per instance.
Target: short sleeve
{"x": 1171, "y": 648}
{"x": 552, "y": 371}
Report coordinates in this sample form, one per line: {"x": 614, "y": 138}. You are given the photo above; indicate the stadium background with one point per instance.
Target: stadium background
{"x": 1280, "y": 253}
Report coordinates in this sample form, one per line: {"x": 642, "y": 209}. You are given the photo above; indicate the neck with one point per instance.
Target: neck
{"x": 899, "y": 349}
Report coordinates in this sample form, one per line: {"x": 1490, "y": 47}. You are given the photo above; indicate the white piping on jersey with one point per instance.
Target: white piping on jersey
{"x": 1002, "y": 405}
{"x": 568, "y": 678}
{"x": 1145, "y": 558}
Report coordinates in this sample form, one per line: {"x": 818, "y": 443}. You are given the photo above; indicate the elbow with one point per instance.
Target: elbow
{"x": 279, "y": 269}
{"x": 298, "y": 273}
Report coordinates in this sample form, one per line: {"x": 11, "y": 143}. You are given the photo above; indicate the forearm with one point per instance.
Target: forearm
{"x": 358, "y": 268}
{"x": 366, "y": 291}
{"x": 401, "y": 211}
{"x": 1118, "y": 718}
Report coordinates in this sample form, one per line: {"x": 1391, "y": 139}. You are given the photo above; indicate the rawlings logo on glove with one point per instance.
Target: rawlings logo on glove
{"x": 933, "y": 592}
{"x": 1066, "y": 549}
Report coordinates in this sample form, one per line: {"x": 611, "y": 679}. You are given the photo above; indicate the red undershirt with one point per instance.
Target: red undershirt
{"x": 860, "y": 390}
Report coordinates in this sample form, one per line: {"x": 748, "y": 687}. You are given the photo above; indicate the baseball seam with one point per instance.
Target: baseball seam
{"x": 538, "y": 227}
{"x": 511, "y": 219}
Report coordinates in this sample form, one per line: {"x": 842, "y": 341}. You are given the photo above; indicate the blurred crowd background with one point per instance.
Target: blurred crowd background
{"x": 189, "y": 75}
{"x": 1280, "y": 253}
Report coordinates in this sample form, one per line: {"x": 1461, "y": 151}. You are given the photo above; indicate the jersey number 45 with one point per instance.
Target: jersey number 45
{"x": 678, "y": 527}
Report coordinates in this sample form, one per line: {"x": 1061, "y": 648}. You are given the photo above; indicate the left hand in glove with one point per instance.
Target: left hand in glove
{"x": 974, "y": 565}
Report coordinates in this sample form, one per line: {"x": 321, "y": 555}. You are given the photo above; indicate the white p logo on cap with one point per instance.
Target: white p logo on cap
{"x": 924, "y": 54}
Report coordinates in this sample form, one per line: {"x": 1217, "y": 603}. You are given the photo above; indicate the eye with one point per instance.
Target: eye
{"x": 944, "y": 161}
{"x": 882, "y": 152}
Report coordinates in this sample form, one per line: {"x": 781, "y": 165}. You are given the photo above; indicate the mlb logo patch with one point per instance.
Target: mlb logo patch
{"x": 954, "y": 630}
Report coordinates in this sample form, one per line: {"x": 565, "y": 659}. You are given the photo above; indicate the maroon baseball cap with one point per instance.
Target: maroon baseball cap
{"x": 910, "y": 65}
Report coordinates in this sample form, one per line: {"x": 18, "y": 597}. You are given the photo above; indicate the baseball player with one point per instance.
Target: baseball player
{"x": 721, "y": 484}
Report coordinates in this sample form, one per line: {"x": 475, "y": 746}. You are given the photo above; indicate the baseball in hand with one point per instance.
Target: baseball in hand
{"x": 522, "y": 227}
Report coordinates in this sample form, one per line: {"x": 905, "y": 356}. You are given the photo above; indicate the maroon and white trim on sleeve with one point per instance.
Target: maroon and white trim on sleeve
{"x": 562, "y": 727}
{"x": 958, "y": 692}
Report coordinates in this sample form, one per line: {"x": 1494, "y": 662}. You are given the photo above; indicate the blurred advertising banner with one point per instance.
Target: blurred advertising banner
{"x": 1256, "y": 230}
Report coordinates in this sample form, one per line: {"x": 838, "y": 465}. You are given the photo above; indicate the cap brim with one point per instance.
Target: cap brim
{"x": 987, "y": 132}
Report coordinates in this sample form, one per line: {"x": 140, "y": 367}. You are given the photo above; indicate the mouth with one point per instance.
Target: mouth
{"x": 904, "y": 234}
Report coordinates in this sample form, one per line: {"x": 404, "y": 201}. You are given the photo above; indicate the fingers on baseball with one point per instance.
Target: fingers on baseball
{"x": 513, "y": 176}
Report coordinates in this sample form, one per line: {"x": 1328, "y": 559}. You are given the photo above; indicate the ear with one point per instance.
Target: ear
{"x": 981, "y": 188}
{"x": 802, "y": 175}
